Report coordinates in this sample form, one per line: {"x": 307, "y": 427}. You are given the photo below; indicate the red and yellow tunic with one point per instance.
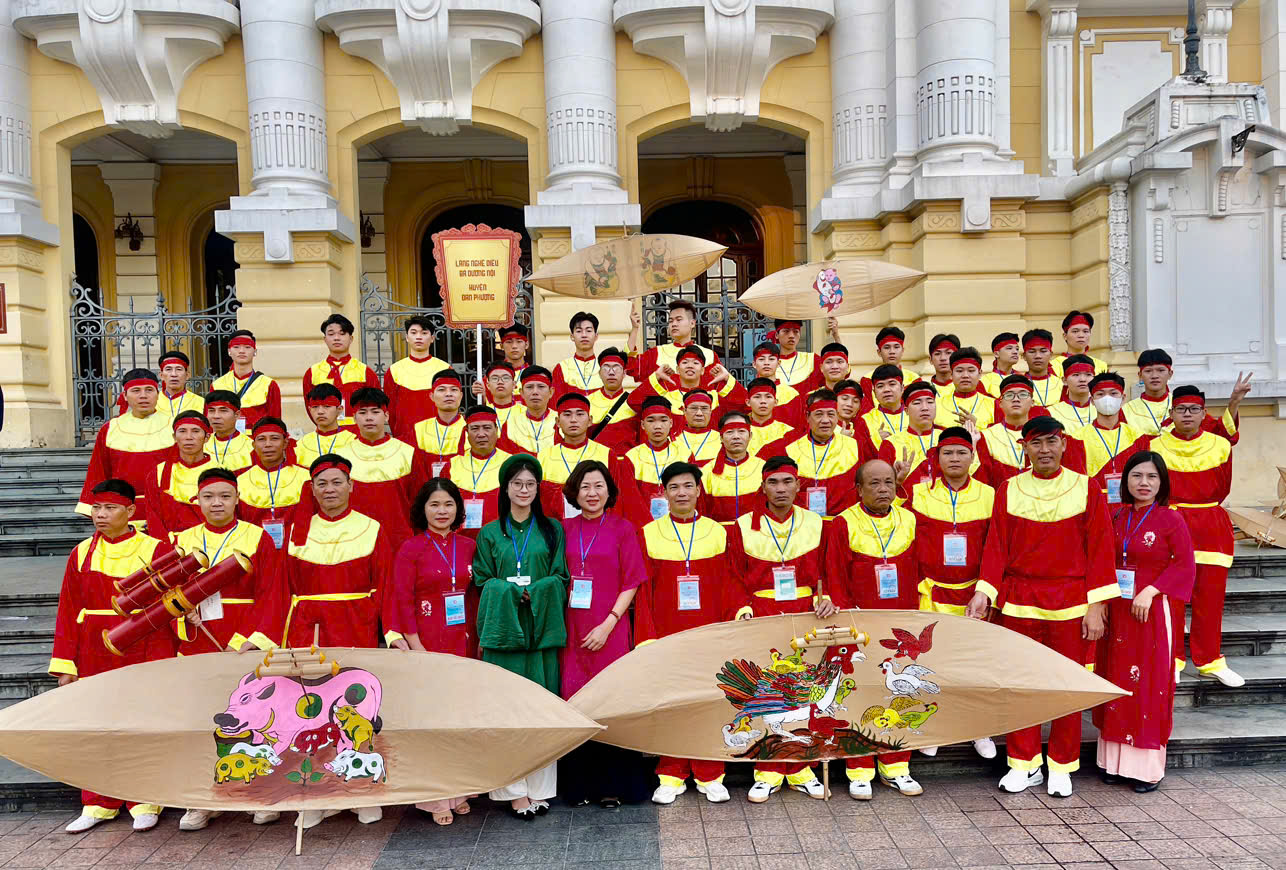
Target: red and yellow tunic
{"x": 257, "y": 599}
{"x": 478, "y": 477}
{"x": 868, "y": 391}
{"x": 1049, "y": 551}
{"x": 790, "y": 405}
{"x": 347, "y": 374}
{"x": 170, "y": 406}
{"x": 171, "y": 496}
{"x": 702, "y": 446}
{"x": 797, "y": 368}
{"x": 871, "y": 423}
{"x": 1200, "y": 478}
{"x": 829, "y": 467}
{"x": 233, "y": 453}
{"x": 644, "y": 365}
{"x": 408, "y": 383}
{"x": 85, "y": 606}
{"x": 644, "y": 497}
{"x": 729, "y": 394}
{"x": 576, "y": 374}
{"x": 271, "y": 496}
{"x": 1046, "y": 391}
{"x": 260, "y": 397}
{"x": 729, "y": 490}
{"x": 762, "y": 434}
{"x": 688, "y": 572}
{"x": 919, "y": 446}
{"x": 990, "y": 381}
{"x": 622, "y": 432}
{"x": 1152, "y": 416}
{"x": 523, "y": 433}
{"x": 977, "y": 403}
{"x": 439, "y": 442}
{"x": 859, "y": 545}
{"x": 336, "y": 578}
{"x": 386, "y": 475}
{"x": 1000, "y": 453}
{"x": 127, "y": 448}
{"x": 1099, "y": 452}
{"x": 315, "y": 444}
{"x": 758, "y": 544}
{"x": 1100, "y": 366}
{"x": 558, "y": 461}
{"x": 940, "y": 512}
{"x": 1074, "y": 417}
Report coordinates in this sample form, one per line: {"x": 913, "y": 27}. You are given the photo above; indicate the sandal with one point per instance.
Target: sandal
{"x": 609, "y": 803}
{"x": 443, "y": 819}
{"x": 464, "y": 809}
{"x": 527, "y": 813}
{"x": 542, "y": 807}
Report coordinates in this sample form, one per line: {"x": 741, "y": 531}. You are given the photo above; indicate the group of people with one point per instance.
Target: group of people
{"x": 559, "y": 518}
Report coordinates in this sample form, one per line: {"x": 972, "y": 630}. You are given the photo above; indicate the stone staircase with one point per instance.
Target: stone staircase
{"x": 1213, "y": 724}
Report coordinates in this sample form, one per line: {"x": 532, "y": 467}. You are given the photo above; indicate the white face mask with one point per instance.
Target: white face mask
{"x": 1107, "y": 404}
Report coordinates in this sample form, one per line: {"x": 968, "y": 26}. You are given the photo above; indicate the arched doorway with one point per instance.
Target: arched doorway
{"x": 92, "y": 405}
{"x": 219, "y": 268}
{"x": 722, "y": 322}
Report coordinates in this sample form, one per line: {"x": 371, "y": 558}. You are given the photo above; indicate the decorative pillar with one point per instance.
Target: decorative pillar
{"x": 1215, "y": 23}
{"x": 956, "y": 81}
{"x": 1059, "y": 20}
{"x": 19, "y": 207}
{"x": 859, "y": 98}
{"x": 291, "y": 216}
{"x": 1120, "y": 303}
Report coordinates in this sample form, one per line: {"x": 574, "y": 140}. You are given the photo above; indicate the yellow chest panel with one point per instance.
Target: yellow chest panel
{"x": 119, "y": 559}
{"x": 329, "y": 543}
{"x": 1101, "y": 445}
{"x": 311, "y": 446}
{"x": 472, "y": 474}
{"x": 416, "y": 375}
{"x": 878, "y": 420}
{"x": 267, "y": 489}
{"x": 581, "y": 374}
{"x": 1047, "y": 500}
{"x": 378, "y": 463}
{"x": 778, "y": 542}
{"x": 648, "y": 463}
{"x": 1205, "y": 452}
{"x": 743, "y": 479}
{"x": 796, "y": 370}
{"x": 701, "y": 446}
{"x": 1073, "y": 418}
{"x": 532, "y": 435}
{"x": 242, "y": 537}
{"x": 933, "y": 499}
{"x": 1003, "y": 445}
{"x": 557, "y": 462}
{"x": 350, "y": 372}
{"x": 668, "y": 354}
{"x": 1049, "y": 391}
{"x": 880, "y": 537}
{"x": 761, "y": 435}
{"x": 839, "y": 456}
{"x": 708, "y": 539}
{"x": 433, "y": 437}
{"x": 134, "y": 435}
{"x": 255, "y": 394}
{"x": 599, "y": 405}
{"x": 233, "y": 454}
{"x": 183, "y": 480}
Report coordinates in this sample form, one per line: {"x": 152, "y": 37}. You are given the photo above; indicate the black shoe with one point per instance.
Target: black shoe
{"x": 583, "y": 802}
{"x": 609, "y": 803}
{"x": 1109, "y": 778}
{"x": 1145, "y": 787}
{"x": 542, "y": 807}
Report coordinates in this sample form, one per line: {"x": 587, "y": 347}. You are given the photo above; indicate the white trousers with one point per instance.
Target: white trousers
{"x": 538, "y": 785}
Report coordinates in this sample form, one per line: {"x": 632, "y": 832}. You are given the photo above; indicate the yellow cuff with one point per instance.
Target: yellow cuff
{"x": 1058, "y": 767}
{"x": 987, "y": 589}
{"x": 97, "y": 812}
{"x": 644, "y": 643}
{"x": 1212, "y": 557}
{"x": 745, "y": 611}
{"x": 805, "y": 775}
{"x": 860, "y": 774}
{"x": 1025, "y": 763}
{"x": 63, "y": 666}
{"x": 391, "y": 636}
{"x": 893, "y": 771}
{"x": 145, "y": 810}
{"x": 825, "y": 597}
{"x": 236, "y": 640}
{"x": 671, "y": 781}
{"x": 773, "y": 779}
{"x": 1217, "y": 665}
{"x": 1229, "y": 422}
{"x": 261, "y": 640}
{"x": 1103, "y": 593}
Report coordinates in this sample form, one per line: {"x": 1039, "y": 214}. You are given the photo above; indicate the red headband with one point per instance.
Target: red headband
{"x": 1078, "y": 368}
{"x": 578, "y": 399}
{"x": 481, "y": 413}
{"x": 1003, "y": 342}
{"x": 848, "y": 391}
{"x": 195, "y": 421}
{"x": 219, "y": 403}
{"x": 839, "y": 353}
{"x": 940, "y": 345}
{"x": 1190, "y": 400}
{"x": 761, "y": 388}
{"x": 890, "y": 339}
{"x": 763, "y": 352}
{"x": 242, "y": 340}
{"x": 327, "y": 401}
{"x": 734, "y": 424}
{"x": 369, "y": 403}
{"x": 269, "y": 427}
{"x": 537, "y": 379}
{"x": 968, "y": 361}
{"x": 613, "y": 357}
{"x": 788, "y": 466}
{"x": 1079, "y": 320}
{"x": 138, "y": 382}
{"x": 110, "y": 497}
{"x": 166, "y": 359}
{"x": 211, "y": 481}
{"x": 697, "y": 397}
{"x": 956, "y": 439}
{"x": 925, "y": 390}
{"x": 1021, "y": 385}
{"x": 1038, "y": 341}
{"x": 327, "y": 466}
{"x": 822, "y": 405}
{"x": 789, "y": 324}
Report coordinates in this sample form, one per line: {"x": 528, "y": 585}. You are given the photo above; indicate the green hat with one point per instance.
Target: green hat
{"x": 517, "y": 463}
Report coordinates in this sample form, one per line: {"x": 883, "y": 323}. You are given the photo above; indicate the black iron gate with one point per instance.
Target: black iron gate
{"x": 106, "y": 343}
{"x": 383, "y": 327}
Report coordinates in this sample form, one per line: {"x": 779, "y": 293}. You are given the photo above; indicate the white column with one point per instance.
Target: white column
{"x": 287, "y": 106}
{"x": 19, "y": 207}
{"x": 956, "y": 80}
{"x": 1059, "y": 20}
{"x": 583, "y": 184}
{"x": 859, "y": 98}
{"x": 901, "y": 73}
{"x": 1215, "y": 23}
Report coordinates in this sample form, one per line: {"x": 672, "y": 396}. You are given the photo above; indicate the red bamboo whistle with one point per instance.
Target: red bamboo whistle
{"x": 149, "y": 570}
{"x": 158, "y": 583}
{"x": 175, "y": 603}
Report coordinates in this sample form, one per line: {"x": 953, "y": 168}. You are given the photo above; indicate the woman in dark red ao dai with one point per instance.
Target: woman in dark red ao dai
{"x": 433, "y": 601}
{"x": 606, "y": 565}
{"x": 1155, "y": 570}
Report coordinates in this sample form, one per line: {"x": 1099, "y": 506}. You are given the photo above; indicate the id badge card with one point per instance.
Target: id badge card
{"x": 886, "y": 576}
{"x": 660, "y": 507}
{"x": 689, "y": 592}
{"x": 519, "y": 580}
{"x": 817, "y": 500}
{"x": 783, "y": 583}
{"x": 473, "y": 513}
{"x": 570, "y": 510}
{"x": 276, "y": 530}
{"x": 582, "y": 593}
{"x": 211, "y": 608}
{"x": 1113, "y": 482}
{"x": 955, "y": 550}
{"x": 454, "y": 607}
{"x": 241, "y": 425}
{"x": 1125, "y": 579}
{"x": 437, "y": 468}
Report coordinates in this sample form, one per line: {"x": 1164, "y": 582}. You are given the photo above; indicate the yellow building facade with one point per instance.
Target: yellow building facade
{"x": 302, "y": 150}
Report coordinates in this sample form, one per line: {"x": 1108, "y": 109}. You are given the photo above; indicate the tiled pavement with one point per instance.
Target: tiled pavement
{"x": 1227, "y": 818}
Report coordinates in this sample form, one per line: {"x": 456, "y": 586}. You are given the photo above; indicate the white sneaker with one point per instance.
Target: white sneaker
{"x": 715, "y": 792}
{"x": 369, "y": 815}
{"x": 813, "y": 788}
{"x": 265, "y": 817}
{"x": 904, "y": 784}
{"x": 196, "y": 820}
{"x": 761, "y": 791}
{"x": 1228, "y": 677}
{"x": 146, "y": 821}
{"x": 985, "y": 747}
{"x": 859, "y": 790}
{"x": 665, "y": 794}
{"x": 83, "y": 823}
{"x": 1060, "y": 784}
{"x": 929, "y": 751}
{"x": 1016, "y": 780}
{"x": 313, "y": 818}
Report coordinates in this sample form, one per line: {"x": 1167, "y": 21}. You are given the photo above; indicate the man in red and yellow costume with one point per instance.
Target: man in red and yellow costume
{"x": 579, "y": 372}
{"x": 533, "y": 427}
{"x": 271, "y": 488}
{"x": 171, "y": 491}
{"x": 259, "y": 395}
{"x": 175, "y": 397}
{"x": 734, "y": 478}
{"x": 827, "y": 460}
{"x": 643, "y": 497}
{"x": 570, "y": 448}
{"x": 324, "y": 404}
{"x": 130, "y": 446}
{"x": 385, "y": 472}
{"x": 408, "y": 383}
{"x": 229, "y": 446}
{"x": 615, "y": 422}
{"x": 442, "y": 436}
{"x": 476, "y": 472}
{"x": 765, "y": 427}
{"x": 681, "y": 322}
{"x": 339, "y": 368}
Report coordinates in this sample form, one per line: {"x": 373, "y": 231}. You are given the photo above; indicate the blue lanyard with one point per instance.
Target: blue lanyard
{"x": 272, "y": 486}
{"x": 535, "y": 433}
{"x": 696, "y": 454}
{"x": 953, "y": 496}
{"x": 817, "y": 466}
{"x": 437, "y": 423}
{"x": 736, "y": 490}
{"x": 976, "y": 399}
{"x": 656, "y": 465}
{"x": 329, "y": 449}
{"x": 517, "y": 553}
{"x": 773, "y": 533}
{"x": 901, "y": 419}
{"x": 790, "y": 373}
{"x": 205, "y": 547}
{"x": 443, "y": 553}
{"x": 687, "y": 552}
{"x": 1013, "y": 445}
{"x": 924, "y": 451}
{"x": 1111, "y": 453}
{"x": 478, "y": 474}
{"x": 1125, "y": 543}
{"x": 1077, "y": 412}
{"x": 171, "y": 401}
{"x": 1044, "y": 400}
{"x": 563, "y": 454}
{"x": 884, "y": 544}
{"x": 584, "y": 380}
{"x": 1148, "y": 407}
{"x": 584, "y": 551}
{"x": 215, "y": 444}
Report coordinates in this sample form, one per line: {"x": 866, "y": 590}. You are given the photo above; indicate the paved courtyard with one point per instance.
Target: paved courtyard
{"x": 1229, "y": 818}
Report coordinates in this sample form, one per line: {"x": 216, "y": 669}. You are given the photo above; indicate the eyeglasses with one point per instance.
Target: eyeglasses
{"x": 524, "y": 484}
{"x": 1014, "y": 395}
